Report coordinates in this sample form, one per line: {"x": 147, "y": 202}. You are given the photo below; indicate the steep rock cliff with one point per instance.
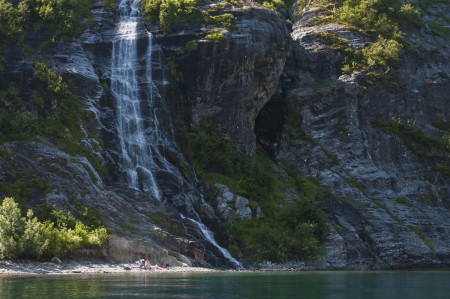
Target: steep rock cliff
{"x": 262, "y": 85}
{"x": 228, "y": 82}
{"x": 389, "y": 207}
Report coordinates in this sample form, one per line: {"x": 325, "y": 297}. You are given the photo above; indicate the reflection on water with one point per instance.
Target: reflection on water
{"x": 335, "y": 285}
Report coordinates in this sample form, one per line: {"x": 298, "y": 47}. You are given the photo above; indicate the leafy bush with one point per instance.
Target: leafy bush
{"x": 215, "y": 35}
{"x": 10, "y": 27}
{"x": 21, "y": 125}
{"x": 63, "y": 17}
{"x": 31, "y": 238}
{"x": 380, "y": 19}
{"x": 278, "y": 4}
{"x": 295, "y": 231}
{"x": 191, "y": 45}
{"x": 170, "y": 12}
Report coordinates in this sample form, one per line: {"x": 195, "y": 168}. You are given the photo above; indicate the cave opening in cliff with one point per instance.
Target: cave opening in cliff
{"x": 269, "y": 124}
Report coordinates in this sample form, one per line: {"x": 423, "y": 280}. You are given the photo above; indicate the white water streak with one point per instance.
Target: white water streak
{"x": 136, "y": 152}
{"x": 209, "y": 235}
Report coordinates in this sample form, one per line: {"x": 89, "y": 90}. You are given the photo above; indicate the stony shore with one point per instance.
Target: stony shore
{"x": 20, "y": 268}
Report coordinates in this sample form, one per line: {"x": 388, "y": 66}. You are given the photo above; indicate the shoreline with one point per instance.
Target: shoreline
{"x": 31, "y": 268}
{"x": 10, "y": 268}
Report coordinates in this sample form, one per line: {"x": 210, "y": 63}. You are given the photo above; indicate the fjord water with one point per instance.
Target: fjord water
{"x": 224, "y": 285}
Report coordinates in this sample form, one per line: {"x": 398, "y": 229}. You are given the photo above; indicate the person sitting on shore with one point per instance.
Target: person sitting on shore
{"x": 146, "y": 264}
{"x": 141, "y": 263}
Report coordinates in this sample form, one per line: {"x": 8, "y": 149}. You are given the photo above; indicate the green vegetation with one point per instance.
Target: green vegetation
{"x": 191, "y": 45}
{"x": 174, "y": 71}
{"x": 404, "y": 201}
{"x": 61, "y": 125}
{"x": 111, "y": 4}
{"x": 287, "y": 230}
{"x": 63, "y": 17}
{"x": 334, "y": 41}
{"x": 215, "y": 35}
{"x": 28, "y": 237}
{"x": 26, "y": 119}
{"x": 295, "y": 231}
{"x": 170, "y": 12}
{"x": 278, "y": 4}
{"x": 381, "y": 21}
{"x": 421, "y": 236}
{"x": 440, "y": 24}
{"x": 25, "y": 186}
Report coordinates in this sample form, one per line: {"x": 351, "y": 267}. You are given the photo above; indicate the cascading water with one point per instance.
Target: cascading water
{"x": 135, "y": 143}
{"x": 210, "y": 237}
{"x": 141, "y": 142}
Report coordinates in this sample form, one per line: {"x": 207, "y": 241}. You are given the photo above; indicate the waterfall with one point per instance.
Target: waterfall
{"x": 210, "y": 237}
{"x": 136, "y": 150}
{"x": 141, "y": 142}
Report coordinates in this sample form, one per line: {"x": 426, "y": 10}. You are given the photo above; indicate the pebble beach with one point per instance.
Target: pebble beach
{"x": 18, "y": 268}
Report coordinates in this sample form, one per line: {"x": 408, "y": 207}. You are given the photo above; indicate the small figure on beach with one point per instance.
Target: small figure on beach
{"x": 141, "y": 263}
{"x": 146, "y": 264}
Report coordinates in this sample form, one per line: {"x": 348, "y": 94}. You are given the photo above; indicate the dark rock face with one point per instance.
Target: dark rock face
{"x": 370, "y": 171}
{"x": 388, "y": 208}
{"x": 227, "y": 83}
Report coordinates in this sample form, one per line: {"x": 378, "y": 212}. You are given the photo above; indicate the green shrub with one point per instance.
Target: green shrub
{"x": 278, "y": 4}
{"x": 10, "y": 26}
{"x": 287, "y": 231}
{"x": 12, "y": 226}
{"x": 215, "y": 35}
{"x": 31, "y": 238}
{"x": 381, "y": 53}
{"x": 21, "y": 125}
{"x": 191, "y": 45}
{"x": 170, "y": 12}
{"x": 225, "y": 20}
{"x": 111, "y": 4}
{"x": 380, "y": 19}
{"x": 295, "y": 231}
{"x": 63, "y": 17}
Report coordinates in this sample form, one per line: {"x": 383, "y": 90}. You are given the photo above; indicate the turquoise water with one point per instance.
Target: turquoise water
{"x": 336, "y": 285}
